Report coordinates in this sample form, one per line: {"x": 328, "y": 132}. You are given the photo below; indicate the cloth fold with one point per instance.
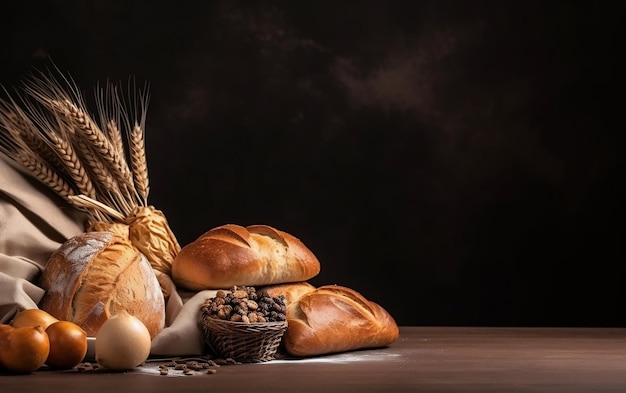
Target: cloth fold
{"x": 184, "y": 336}
{"x": 33, "y": 223}
{"x": 16, "y": 294}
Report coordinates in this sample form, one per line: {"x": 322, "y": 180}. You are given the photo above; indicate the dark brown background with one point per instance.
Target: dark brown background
{"x": 458, "y": 162}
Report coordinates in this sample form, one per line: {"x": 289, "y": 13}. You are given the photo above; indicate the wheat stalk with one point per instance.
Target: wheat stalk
{"x": 115, "y": 136}
{"x": 101, "y": 174}
{"x": 139, "y": 163}
{"x": 51, "y": 133}
{"x": 96, "y": 138}
{"x": 24, "y": 133}
{"x": 46, "y": 175}
{"x": 52, "y": 125}
{"x": 90, "y": 203}
{"x": 74, "y": 166}
{"x": 69, "y": 106}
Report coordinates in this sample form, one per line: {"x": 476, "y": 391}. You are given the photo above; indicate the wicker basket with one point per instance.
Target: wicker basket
{"x": 243, "y": 342}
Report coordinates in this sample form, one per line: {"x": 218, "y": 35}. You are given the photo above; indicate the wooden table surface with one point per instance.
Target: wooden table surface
{"x": 424, "y": 359}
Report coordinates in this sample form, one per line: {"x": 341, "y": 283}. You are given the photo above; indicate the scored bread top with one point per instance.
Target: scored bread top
{"x": 333, "y": 319}
{"x": 65, "y": 271}
{"x": 235, "y": 255}
{"x": 94, "y": 275}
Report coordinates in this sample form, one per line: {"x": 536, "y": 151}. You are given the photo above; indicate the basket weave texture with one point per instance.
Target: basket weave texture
{"x": 243, "y": 342}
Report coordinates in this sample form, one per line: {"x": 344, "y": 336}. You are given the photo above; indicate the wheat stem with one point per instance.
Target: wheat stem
{"x": 87, "y": 202}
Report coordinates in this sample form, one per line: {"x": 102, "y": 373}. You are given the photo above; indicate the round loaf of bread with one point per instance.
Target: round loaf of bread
{"x": 231, "y": 255}
{"x": 94, "y": 276}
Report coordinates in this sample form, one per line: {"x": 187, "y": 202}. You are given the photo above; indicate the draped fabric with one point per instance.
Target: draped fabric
{"x": 34, "y": 222}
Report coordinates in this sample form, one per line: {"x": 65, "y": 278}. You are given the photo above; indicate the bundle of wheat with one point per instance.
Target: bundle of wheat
{"x": 98, "y": 166}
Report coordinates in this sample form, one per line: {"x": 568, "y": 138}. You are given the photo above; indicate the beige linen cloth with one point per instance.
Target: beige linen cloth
{"x": 34, "y": 222}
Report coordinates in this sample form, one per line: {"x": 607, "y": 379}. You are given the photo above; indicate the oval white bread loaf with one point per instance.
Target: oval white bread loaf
{"x": 231, "y": 255}
{"x": 332, "y": 319}
{"x": 95, "y": 275}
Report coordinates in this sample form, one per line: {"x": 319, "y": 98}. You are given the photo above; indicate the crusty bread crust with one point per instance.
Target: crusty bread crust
{"x": 231, "y": 255}
{"x": 335, "y": 319}
{"x": 94, "y": 275}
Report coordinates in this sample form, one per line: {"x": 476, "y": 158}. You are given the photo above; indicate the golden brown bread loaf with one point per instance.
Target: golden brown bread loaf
{"x": 95, "y": 275}
{"x": 231, "y": 255}
{"x": 333, "y": 319}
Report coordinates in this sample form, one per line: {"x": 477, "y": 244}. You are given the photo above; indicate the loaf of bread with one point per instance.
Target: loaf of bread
{"x": 332, "y": 319}
{"x": 231, "y": 255}
{"x": 95, "y": 275}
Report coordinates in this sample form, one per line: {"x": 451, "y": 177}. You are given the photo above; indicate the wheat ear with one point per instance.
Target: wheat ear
{"x": 74, "y": 166}
{"x": 96, "y": 138}
{"x": 69, "y": 106}
{"x": 96, "y": 176}
{"x": 59, "y": 131}
{"x": 45, "y": 174}
{"x": 139, "y": 163}
{"x": 115, "y": 135}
